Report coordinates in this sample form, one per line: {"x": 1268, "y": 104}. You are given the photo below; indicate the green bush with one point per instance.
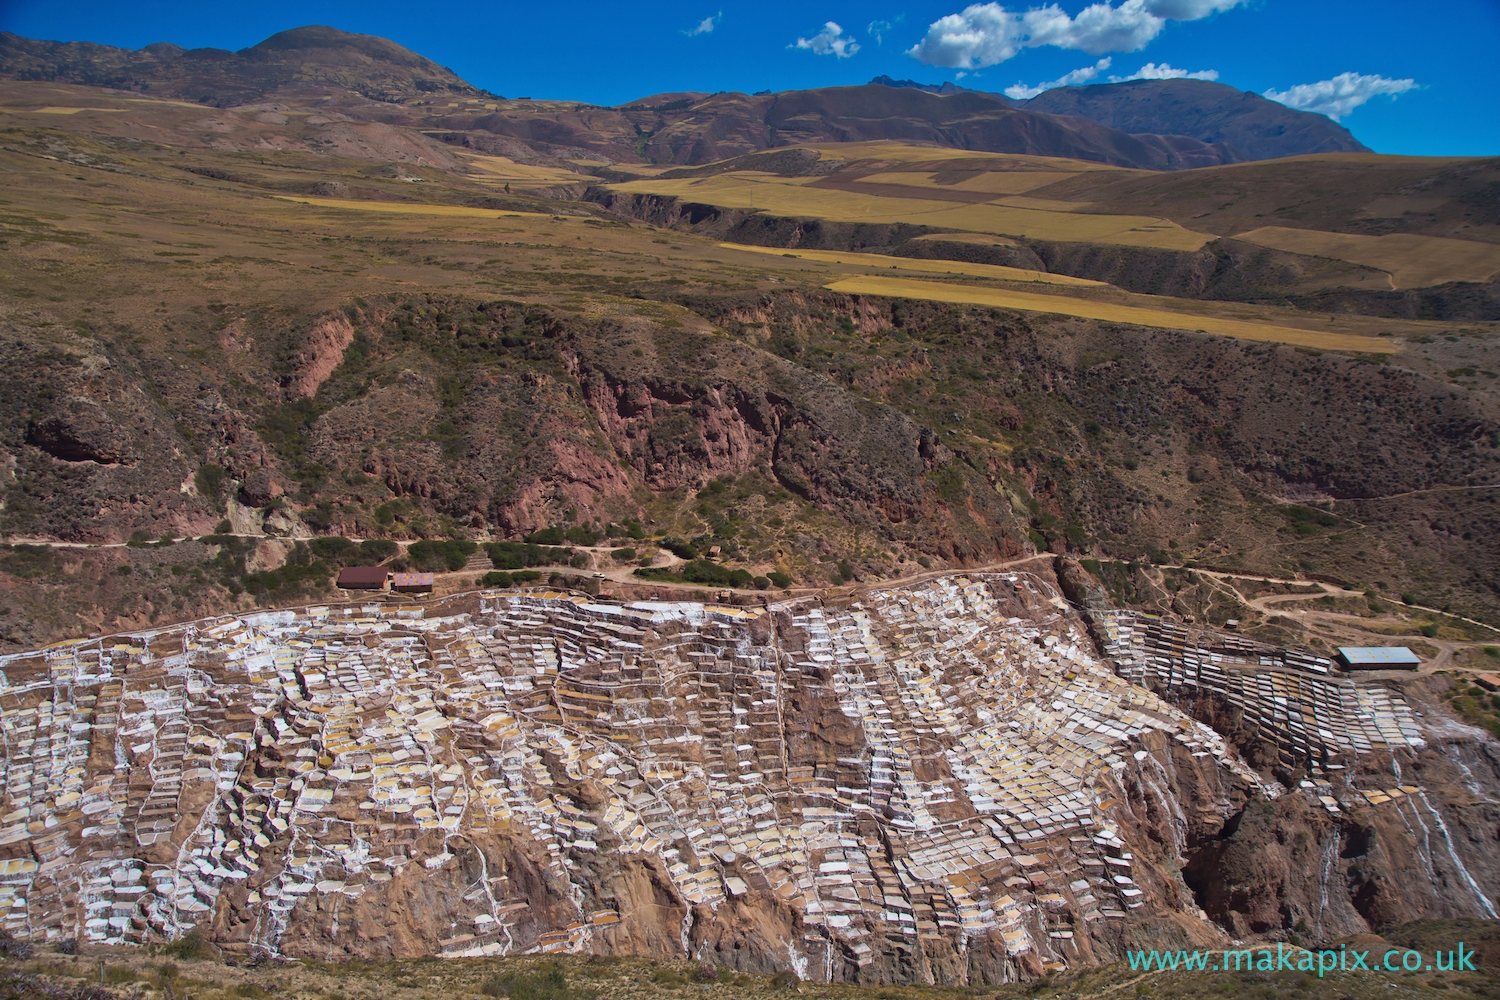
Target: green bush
{"x": 761, "y": 583}
{"x": 1430, "y": 631}
{"x": 779, "y": 579}
{"x": 1492, "y": 651}
{"x": 339, "y": 551}
{"x": 223, "y": 527}
{"x": 191, "y": 945}
{"x": 679, "y": 548}
{"x": 434, "y": 556}
{"x": 495, "y": 578}
{"x": 623, "y": 555}
{"x": 519, "y": 555}
{"x": 784, "y": 980}
{"x": 582, "y": 535}
{"x": 544, "y": 983}
{"x": 1408, "y": 599}
{"x": 547, "y": 536}
{"x": 377, "y": 550}
{"x": 211, "y": 480}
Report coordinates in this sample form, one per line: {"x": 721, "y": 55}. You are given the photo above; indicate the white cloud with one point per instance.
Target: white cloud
{"x": 1151, "y": 71}
{"x": 1339, "y": 96}
{"x": 879, "y": 29}
{"x": 706, "y": 26}
{"x": 1021, "y": 92}
{"x": 984, "y": 34}
{"x": 831, "y": 41}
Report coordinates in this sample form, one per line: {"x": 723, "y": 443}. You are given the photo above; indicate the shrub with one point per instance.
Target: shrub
{"x": 13, "y": 947}
{"x": 761, "y": 583}
{"x": 846, "y": 573}
{"x": 1430, "y": 631}
{"x": 679, "y": 548}
{"x": 706, "y": 974}
{"x": 623, "y": 555}
{"x": 191, "y": 945}
{"x": 544, "y": 983}
{"x": 779, "y": 579}
{"x": 668, "y": 978}
{"x": 1408, "y": 599}
{"x": 495, "y": 578}
{"x": 223, "y": 527}
{"x": 433, "y": 556}
{"x": 376, "y": 550}
{"x": 211, "y": 480}
{"x": 1492, "y": 651}
{"x": 582, "y": 535}
{"x": 340, "y": 551}
{"x": 117, "y": 974}
{"x": 784, "y": 980}
{"x": 518, "y": 555}
{"x": 547, "y": 536}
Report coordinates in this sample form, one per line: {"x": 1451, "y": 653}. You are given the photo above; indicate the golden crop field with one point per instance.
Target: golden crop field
{"x": 1004, "y": 298}
{"x": 899, "y": 152}
{"x": 405, "y": 207}
{"x": 886, "y": 262}
{"x": 1411, "y": 261}
{"x": 995, "y": 182}
{"x": 503, "y": 170}
{"x": 794, "y": 196}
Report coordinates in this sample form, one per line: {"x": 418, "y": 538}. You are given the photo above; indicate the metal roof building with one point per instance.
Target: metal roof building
{"x": 363, "y": 577}
{"x": 412, "y": 583}
{"x": 1378, "y": 658}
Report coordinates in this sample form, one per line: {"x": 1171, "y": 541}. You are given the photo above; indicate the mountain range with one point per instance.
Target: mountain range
{"x": 1155, "y": 125}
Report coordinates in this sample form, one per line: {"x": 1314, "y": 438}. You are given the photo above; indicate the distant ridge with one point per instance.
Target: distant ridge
{"x": 1256, "y": 128}
{"x": 302, "y": 59}
{"x": 1148, "y": 124}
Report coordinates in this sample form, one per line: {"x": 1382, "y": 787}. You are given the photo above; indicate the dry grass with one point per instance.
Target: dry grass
{"x": 1064, "y": 305}
{"x": 407, "y": 208}
{"x": 1411, "y": 261}
{"x": 793, "y": 196}
{"x": 885, "y": 262}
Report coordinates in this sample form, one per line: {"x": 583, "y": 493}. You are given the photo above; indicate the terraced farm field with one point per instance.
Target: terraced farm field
{"x": 1067, "y": 305}
{"x": 1412, "y": 261}
{"x": 917, "y": 264}
{"x": 798, "y": 196}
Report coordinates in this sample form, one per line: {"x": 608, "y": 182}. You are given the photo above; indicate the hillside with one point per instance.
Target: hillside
{"x": 864, "y": 569}
{"x": 372, "y": 78}
{"x": 303, "y": 63}
{"x": 1250, "y": 125}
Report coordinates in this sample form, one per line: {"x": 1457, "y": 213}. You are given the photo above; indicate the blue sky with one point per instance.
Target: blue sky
{"x": 1404, "y": 77}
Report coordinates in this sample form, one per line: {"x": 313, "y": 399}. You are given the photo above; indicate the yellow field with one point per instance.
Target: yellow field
{"x": 791, "y": 196}
{"x": 900, "y": 152}
{"x": 503, "y": 170}
{"x": 1085, "y": 309}
{"x": 1411, "y": 261}
{"x": 406, "y": 208}
{"x": 886, "y": 262}
{"x": 989, "y": 182}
